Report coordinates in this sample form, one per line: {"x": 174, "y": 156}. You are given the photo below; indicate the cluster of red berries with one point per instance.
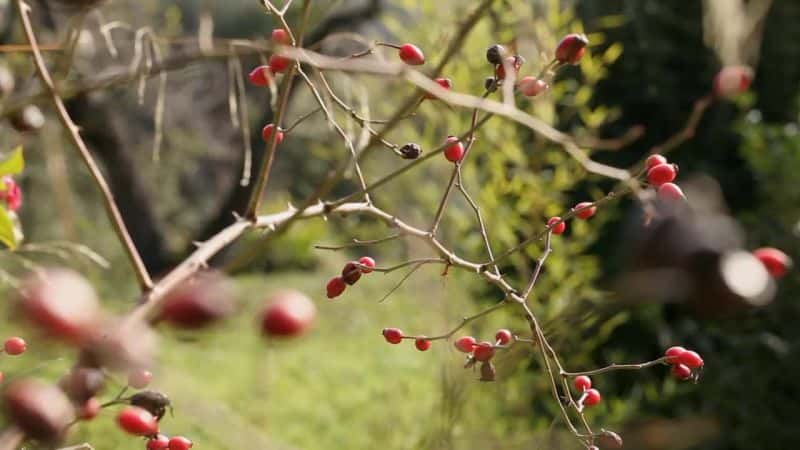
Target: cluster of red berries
{"x": 11, "y": 194}
{"x": 582, "y": 210}
{"x": 140, "y": 422}
{"x": 395, "y": 336}
{"x": 483, "y": 351}
{"x": 263, "y": 75}
{"x": 13, "y": 346}
{"x": 589, "y": 396}
{"x": 661, "y": 174}
{"x": 686, "y": 364}
{"x": 350, "y": 274}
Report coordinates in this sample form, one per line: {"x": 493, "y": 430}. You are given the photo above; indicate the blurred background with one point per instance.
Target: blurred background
{"x": 177, "y": 179}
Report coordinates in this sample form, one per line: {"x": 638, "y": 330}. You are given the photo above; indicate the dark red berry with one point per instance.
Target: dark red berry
{"x": 681, "y": 372}
{"x": 410, "y": 151}
{"x": 367, "y": 263}
{"x": 281, "y": 36}
{"x": 582, "y": 383}
{"x": 454, "y": 150}
{"x": 483, "y": 351}
{"x": 584, "y": 210}
{"x": 495, "y": 54}
{"x": 571, "y": 48}
{"x": 41, "y": 410}
{"x": 555, "y": 226}
{"x": 135, "y": 420}
{"x": 592, "y": 397}
{"x": 732, "y": 80}
{"x": 673, "y": 353}
{"x": 278, "y": 63}
{"x": 465, "y": 344}
{"x": 199, "y": 301}
{"x": 90, "y": 409}
{"x": 411, "y": 55}
{"x": 662, "y": 173}
{"x": 260, "y": 76}
{"x": 393, "y": 335}
{"x": 654, "y": 160}
{"x": 266, "y": 134}
{"x": 179, "y": 443}
{"x": 335, "y": 287}
{"x": 159, "y": 442}
{"x": 445, "y": 83}
{"x": 503, "y": 336}
{"x": 351, "y": 272}
{"x": 140, "y": 378}
{"x": 288, "y": 314}
{"x": 422, "y": 344}
{"x": 776, "y": 262}
{"x": 513, "y": 62}
{"x": 531, "y": 86}
{"x": 690, "y": 359}
{"x": 15, "y": 345}
{"x": 670, "y": 192}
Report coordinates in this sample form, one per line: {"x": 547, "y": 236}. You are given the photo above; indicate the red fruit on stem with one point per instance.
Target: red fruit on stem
{"x": 288, "y": 313}
{"x": 571, "y": 48}
{"x": 422, "y": 344}
{"x": 15, "y": 346}
{"x": 137, "y": 421}
{"x": 368, "y": 264}
{"x": 335, "y": 287}
{"x": 41, "y": 410}
{"x": 281, "y": 36}
{"x": 351, "y": 273}
{"x": 531, "y": 86}
{"x": 454, "y": 150}
{"x": 483, "y": 351}
{"x": 673, "y": 353}
{"x": 179, "y": 443}
{"x": 278, "y": 63}
{"x": 558, "y": 228}
{"x": 584, "y": 210}
{"x": 260, "y": 76}
{"x": 670, "y": 192}
{"x": 592, "y": 397}
{"x": 159, "y": 442}
{"x": 681, "y": 372}
{"x": 11, "y": 194}
{"x": 411, "y": 55}
{"x": 266, "y": 134}
{"x": 662, "y": 173}
{"x": 503, "y": 336}
{"x": 139, "y": 378}
{"x": 200, "y": 301}
{"x": 582, "y": 383}
{"x": 776, "y": 262}
{"x": 465, "y": 344}
{"x": 392, "y": 335}
{"x": 445, "y": 83}
{"x": 690, "y": 359}
{"x": 654, "y": 160}
{"x": 732, "y": 80}
{"x": 90, "y": 409}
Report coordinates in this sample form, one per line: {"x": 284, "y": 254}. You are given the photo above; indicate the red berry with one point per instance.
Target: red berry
{"x": 140, "y": 378}
{"x": 483, "y": 351}
{"x": 179, "y": 443}
{"x": 335, "y": 287}
{"x": 465, "y": 344}
{"x": 90, "y": 409}
{"x": 159, "y": 442}
{"x": 558, "y": 228}
{"x": 15, "y": 345}
{"x": 138, "y": 421}
{"x": 288, "y": 313}
{"x": 455, "y": 150}
{"x": 11, "y": 194}
{"x": 393, "y": 335}
{"x": 681, "y": 372}
{"x": 503, "y": 336}
{"x": 690, "y": 359}
{"x": 422, "y": 344}
{"x": 260, "y": 76}
{"x": 445, "y": 83}
{"x": 732, "y": 80}
{"x": 266, "y": 134}
{"x": 411, "y": 55}
{"x": 368, "y": 264}
{"x": 532, "y": 86}
{"x": 41, "y": 410}
{"x": 670, "y": 192}
{"x": 571, "y": 48}
{"x": 673, "y": 353}
{"x": 199, "y": 301}
{"x": 592, "y": 397}
{"x": 654, "y": 160}
{"x": 513, "y": 62}
{"x": 280, "y": 36}
{"x": 278, "y": 63}
{"x": 776, "y": 262}
{"x": 351, "y": 273}
{"x": 662, "y": 173}
{"x": 584, "y": 210}
{"x": 582, "y": 383}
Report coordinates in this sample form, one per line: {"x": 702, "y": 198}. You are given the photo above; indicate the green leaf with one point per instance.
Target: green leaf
{"x": 13, "y": 164}
{"x": 7, "y": 235}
